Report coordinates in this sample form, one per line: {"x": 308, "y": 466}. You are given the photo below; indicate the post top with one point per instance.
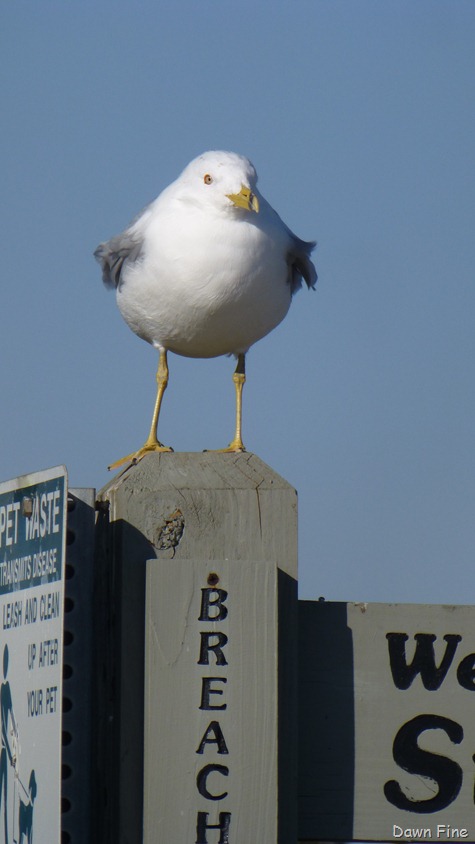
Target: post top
{"x": 197, "y": 470}
{"x": 208, "y": 506}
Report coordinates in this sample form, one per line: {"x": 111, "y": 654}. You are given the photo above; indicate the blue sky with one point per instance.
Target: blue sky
{"x": 360, "y": 120}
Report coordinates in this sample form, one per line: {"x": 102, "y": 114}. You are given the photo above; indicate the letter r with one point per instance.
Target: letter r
{"x": 216, "y": 647}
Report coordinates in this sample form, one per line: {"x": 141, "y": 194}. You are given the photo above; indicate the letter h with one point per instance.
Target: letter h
{"x": 223, "y": 826}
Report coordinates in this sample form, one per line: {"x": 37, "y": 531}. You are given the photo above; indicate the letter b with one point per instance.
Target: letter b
{"x": 212, "y": 605}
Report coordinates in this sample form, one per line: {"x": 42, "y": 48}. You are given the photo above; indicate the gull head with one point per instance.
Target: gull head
{"x": 223, "y": 180}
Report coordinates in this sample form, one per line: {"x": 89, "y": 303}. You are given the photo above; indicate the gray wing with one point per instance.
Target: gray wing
{"x": 299, "y": 263}
{"x": 115, "y": 253}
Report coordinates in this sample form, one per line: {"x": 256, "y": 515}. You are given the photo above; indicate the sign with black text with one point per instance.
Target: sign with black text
{"x": 32, "y": 564}
{"x": 394, "y": 686}
{"x": 211, "y": 701}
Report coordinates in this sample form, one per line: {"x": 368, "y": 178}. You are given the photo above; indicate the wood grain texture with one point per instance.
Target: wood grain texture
{"x": 234, "y": 505}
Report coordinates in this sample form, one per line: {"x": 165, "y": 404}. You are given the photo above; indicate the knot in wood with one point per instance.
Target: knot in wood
{"x": 170, "y": 533}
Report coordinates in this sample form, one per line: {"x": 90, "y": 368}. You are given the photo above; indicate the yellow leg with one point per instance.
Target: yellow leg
{"x": 152, "y": 443}
{"x": 239, "y": 379}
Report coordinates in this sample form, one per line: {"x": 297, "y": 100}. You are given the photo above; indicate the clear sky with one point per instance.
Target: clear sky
{"x": 360, "y": 119}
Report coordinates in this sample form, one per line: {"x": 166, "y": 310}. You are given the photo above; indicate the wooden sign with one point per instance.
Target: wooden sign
{"x": 211, "y": 702}
{"x": 387, "y": 733}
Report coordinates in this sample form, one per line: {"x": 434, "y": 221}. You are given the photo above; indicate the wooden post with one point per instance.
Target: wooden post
{"x": 199, "y": 558}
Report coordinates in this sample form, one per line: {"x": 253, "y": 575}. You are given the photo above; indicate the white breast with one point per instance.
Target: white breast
{"x": 206, "y": 286}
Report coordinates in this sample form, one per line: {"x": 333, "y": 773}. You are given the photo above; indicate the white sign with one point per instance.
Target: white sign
{"x": 414, "y": 725}
{"x": 387, "y": 727}
{"x": 32, "y": 564}
{"x": 211, "y": 702}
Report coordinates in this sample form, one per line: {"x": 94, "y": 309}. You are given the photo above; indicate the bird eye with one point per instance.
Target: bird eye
{"x": 208, "y": 179}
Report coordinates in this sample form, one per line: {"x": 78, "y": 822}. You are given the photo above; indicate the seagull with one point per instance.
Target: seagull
{"x": 207, "y": 269}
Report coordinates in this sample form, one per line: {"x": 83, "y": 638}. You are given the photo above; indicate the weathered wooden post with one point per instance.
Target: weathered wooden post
{"x": 198, "y": 652}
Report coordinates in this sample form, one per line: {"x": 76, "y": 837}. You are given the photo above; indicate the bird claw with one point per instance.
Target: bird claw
{"x": 235, "y": 447}
{"x": 135, "y": 457}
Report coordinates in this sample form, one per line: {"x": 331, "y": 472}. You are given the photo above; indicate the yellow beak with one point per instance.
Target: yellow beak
{"x": 245, "y": 199}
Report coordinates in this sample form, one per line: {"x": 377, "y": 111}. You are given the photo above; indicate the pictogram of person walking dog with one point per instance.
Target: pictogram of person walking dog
{"x": 23, "y": 797}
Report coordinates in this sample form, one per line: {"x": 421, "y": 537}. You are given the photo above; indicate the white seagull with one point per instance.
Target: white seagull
{"x": 207, "y": 269}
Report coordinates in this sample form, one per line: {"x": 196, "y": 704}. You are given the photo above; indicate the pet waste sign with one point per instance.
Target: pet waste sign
{"x": 387, "y": 727}
{"x": 32, "y": 564}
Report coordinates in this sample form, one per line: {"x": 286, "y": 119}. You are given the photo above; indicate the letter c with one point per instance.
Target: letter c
{"x": 201, "y": 781}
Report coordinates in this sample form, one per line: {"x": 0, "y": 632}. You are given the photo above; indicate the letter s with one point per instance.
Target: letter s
{"x": 409, "y": 756}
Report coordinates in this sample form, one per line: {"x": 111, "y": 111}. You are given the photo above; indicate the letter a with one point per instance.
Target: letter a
{"x": 213, "y": 728}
